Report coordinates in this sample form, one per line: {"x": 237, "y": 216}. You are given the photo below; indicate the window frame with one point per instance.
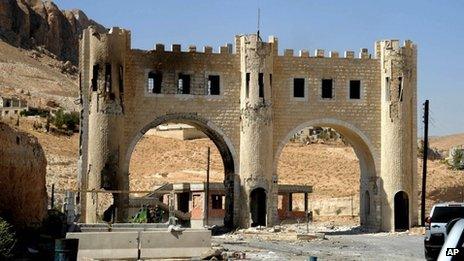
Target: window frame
{"x": 221, "y": 201}
{"x": 305, "y": 98}
{"x": 221, "y": 85}
{"x": 321, "y": 87}
{"x": 361, "y": 92}
{"x": 145, "y": 86}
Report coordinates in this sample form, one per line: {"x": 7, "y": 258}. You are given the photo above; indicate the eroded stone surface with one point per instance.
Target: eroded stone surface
{"x": 23, "y": 197}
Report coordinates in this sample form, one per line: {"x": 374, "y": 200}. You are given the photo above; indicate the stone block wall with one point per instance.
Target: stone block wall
{"x": 23, "y": 197}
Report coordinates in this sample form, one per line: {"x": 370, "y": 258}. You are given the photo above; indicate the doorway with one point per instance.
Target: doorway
{"x": 401, "y": 211}
{"x": 258, "y": 207}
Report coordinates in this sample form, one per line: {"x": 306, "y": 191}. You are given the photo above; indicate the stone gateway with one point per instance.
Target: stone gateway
{"x": 249, "y": 101}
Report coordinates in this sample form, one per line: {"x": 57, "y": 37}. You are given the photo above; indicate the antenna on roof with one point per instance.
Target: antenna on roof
{"x": 259, "y": 17}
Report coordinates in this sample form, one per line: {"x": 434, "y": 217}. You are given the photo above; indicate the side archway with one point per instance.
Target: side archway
{"x": 364, "y": 150}
{"x": 217, "y": 136}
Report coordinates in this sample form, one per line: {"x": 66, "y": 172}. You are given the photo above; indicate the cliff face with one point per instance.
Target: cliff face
{"x": 31, "y": 23}
{"x": 23, "y": 197}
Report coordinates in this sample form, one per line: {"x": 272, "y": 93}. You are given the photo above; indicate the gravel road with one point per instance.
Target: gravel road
{"x": 336, "y": 246}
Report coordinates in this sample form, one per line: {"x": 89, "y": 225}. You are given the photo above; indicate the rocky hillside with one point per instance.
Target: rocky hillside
{"x": 32, "y": 23}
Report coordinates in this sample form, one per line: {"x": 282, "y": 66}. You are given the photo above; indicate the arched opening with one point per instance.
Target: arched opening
{"x": 258, "y": 207}
{"x": 170, "y": 158}
{"x": 401, "y": 211}
{"x": 335, "y": 159}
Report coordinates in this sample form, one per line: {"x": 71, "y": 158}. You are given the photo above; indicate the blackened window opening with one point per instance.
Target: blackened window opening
{"x": 95, "y": 70}
{"x": 400, "y": 88}
{"x": 108, "y": 82}
{"x": 327, "y": 89}
{"x": 247, "y": 84}
{"x": 183, "y": 84}
{"x": 216, "y": 201}
{"x": 155, "y": 80}
{"x": 355, "y": 89}
{"x": 298, "y": 88}
{"x": 214, "y": 85}
{"x": 261, "y": 85}
{"x": 121, "y": 80}
{"x": 387, "y": 89}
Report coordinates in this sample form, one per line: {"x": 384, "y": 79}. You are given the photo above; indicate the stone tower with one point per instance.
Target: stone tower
{"x": 102, "y": 90}
{"x": 398, "y": 133}
{"x": 258, "y": 195}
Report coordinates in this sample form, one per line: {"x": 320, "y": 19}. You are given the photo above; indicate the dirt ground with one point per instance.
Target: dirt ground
{"x": 339, "y": 243}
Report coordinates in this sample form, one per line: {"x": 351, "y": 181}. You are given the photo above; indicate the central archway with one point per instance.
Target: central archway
{"x": 216, "y": 135}
{"x": 364, "y": 150}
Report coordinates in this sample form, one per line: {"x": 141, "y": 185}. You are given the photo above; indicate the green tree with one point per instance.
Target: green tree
{"x": 65, "y": 120}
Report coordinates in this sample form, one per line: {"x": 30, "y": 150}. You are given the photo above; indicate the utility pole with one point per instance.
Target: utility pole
{"x": 424, "y": 164}
{"x": 207, "y": 187}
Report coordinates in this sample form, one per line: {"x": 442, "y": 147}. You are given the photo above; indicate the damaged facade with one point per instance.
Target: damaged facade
{"x": 250, "y": 100}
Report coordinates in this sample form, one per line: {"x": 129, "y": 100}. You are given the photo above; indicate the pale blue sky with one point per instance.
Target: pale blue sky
{"x": 436, "y": 26}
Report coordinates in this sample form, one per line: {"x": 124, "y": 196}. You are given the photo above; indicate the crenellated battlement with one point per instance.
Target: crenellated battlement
{"x": 235, "y": 48}
{"x": 320, "y": 53}
{"x": 177, "y": 48}
{"x": 393, "y": 44}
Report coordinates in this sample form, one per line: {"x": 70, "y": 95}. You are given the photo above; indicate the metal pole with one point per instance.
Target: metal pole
{"x": 207, "y": 186}
{"x": 424, "y": 164}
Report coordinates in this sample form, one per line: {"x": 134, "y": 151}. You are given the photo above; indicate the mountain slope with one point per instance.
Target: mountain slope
{"x": 32, "y": 23}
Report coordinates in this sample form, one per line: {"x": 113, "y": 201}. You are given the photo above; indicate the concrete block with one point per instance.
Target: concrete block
{"x": 164, "y": 244}
{"x": 107, "y": 245}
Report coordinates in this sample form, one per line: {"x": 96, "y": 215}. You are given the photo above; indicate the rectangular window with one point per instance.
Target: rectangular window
{"x": 261, "y": 85}
{"x": 327, "y": 88}
{"x": 95, "y": 70}
{"x": 270, "y": 84}
{"x": 299, "y": 87}
{"x": 108, "y": 81}
{"x": 387, "y": 89}
{"x": 247, "y": 85}
{"x": 214, "y": 85}
{"x": 121, "y": 79}
{"x": 216, "y": 202}
{"x": 400, "y": 88}
{"x": 183, "y": 84}
{"x": 154, "y": 82}
{"x": 355, "y": 89}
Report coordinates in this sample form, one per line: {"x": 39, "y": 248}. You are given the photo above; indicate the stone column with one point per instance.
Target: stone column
{"x": 256, "y": 126}
{"x": 398, "y": 132}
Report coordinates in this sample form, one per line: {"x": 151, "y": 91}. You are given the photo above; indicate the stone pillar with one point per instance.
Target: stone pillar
{"x": 399, "y": 126}
{"x": 256, "y": 126}
{"x": 102, "y": 67}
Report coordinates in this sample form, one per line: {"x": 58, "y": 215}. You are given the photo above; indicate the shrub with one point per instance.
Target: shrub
{"x": 456, "y": 160}
{"x": 65, "y": 120}
{"x": 7, "y": 239}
